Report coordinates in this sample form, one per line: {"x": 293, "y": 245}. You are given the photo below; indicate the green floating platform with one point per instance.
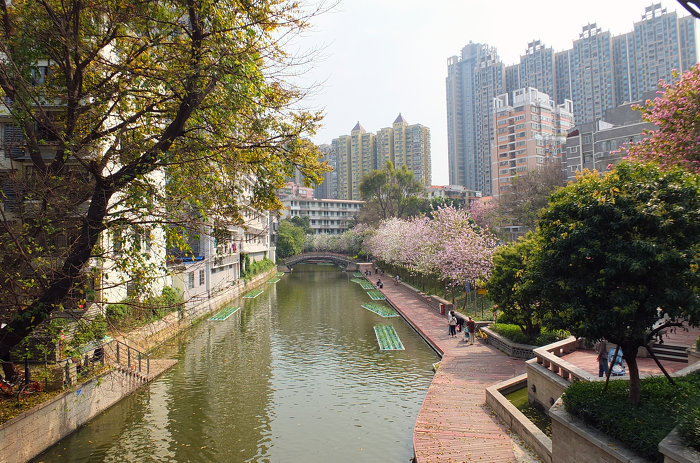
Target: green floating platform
{"x": 362, "y": 282}
{"x": 380, "y": 310}
{"x": 253, "y": 294}
{"x": 358, "y": 275}
{"x": 273, "y": 281}
{"x": 387, "y": 338}
{"x": 279, "y": 274}
{"x": 224, "y": 314}
{"x": 376, "y": 295}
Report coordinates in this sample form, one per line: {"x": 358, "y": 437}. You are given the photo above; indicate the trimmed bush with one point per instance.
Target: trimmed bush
{"x": 515, "y": 334}
{"x": 641, "y": 428}
{"x": 689, "y": 428}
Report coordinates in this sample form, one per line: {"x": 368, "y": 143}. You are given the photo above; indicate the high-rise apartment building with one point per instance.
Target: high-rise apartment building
{"x": 592, "y": 74}
{"x": 473, "y": 81}
{"x": 659, "y": 44}
{"x": 360, "y": 152}
{"x": 530, "y": 133}
{"x": 599, "y": 72}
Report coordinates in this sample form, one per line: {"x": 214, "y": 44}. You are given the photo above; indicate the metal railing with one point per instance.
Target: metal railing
{"x": 131, "y": 354}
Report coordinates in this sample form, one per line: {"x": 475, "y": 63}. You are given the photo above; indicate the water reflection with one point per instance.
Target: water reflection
{"x": 294, "y": 376}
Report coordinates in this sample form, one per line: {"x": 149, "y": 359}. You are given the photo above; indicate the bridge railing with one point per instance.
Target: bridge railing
{"x": 317, "y": 255}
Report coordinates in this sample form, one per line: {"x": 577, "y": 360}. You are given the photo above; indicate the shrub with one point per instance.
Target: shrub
{"x": 515, "y": 334}
{"x": 117, "y": 312}
{"x": 640, "y": 428}
{"x": 689, "y": 428}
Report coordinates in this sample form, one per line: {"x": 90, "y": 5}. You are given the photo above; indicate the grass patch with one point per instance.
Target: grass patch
{"x": 380, "y": 309}
{"x": 253, "y": 294}
{"x": 224, "y": 314}
{"x": 387, "y": 338}
{"x": 376, "y": 295}
{"x": 663, "y": 406}
{"x": 363, "y": 283}
{"x": 515, "y": 334}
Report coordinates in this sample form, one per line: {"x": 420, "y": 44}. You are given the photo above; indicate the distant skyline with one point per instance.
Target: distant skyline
{"x": 379, "y": 58}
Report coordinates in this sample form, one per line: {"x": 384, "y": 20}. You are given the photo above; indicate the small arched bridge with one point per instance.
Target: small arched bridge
{"x": 339, "y": 259}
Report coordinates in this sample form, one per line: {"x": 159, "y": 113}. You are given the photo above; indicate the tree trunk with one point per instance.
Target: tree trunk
{"x": 26, "y": 321}
{"x": 630, "y": 354}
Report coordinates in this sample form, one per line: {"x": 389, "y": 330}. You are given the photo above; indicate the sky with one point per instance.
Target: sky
{"x": 377, "y": 58}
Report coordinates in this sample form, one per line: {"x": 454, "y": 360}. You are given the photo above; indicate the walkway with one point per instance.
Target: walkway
{"x": 454, "y": 424}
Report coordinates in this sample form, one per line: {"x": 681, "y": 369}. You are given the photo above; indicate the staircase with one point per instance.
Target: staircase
{"x": 670, "y": 352}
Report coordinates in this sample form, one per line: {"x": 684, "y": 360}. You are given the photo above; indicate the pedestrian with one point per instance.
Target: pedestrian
{"x": 396, "y": 281}
{"x": 460, "y": 322}
{"x": 471, "y": 329}
{"x": 601, "y": 349}
{"x": 452, "y": 323}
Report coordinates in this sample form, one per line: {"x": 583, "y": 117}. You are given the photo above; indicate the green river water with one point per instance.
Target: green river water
{"x": 296, "y": 375}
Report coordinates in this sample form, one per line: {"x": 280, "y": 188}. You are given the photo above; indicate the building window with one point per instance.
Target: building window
{"x": 201, "y": 277}
{"x": 190, "y": 280}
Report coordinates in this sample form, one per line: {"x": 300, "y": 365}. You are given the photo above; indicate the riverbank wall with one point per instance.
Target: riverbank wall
{"x": 27, "y": 435}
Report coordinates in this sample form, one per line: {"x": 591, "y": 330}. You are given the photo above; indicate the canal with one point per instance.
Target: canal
{"x": 296, "y": 375}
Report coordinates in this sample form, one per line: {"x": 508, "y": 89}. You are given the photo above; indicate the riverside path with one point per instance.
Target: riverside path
{"x": 454, "y": 424}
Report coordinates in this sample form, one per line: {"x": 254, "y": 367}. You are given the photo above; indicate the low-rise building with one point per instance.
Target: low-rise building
{"x": 457, "y": 192}
{"x": 329, "y": 216}
{"x": 600, "y": 145}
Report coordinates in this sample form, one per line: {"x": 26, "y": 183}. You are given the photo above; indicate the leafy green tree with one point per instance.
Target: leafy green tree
{"x": 290, "y": 239}
{"x": 304, "y": 223}
{"x": 390, "y": 192}
{"x": 133, "y": 116}
{"x": 514, "y": 285}
{"x": 616, "y": 248}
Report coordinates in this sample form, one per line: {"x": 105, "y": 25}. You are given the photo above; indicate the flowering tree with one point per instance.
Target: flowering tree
{"x": 449, "y": 246}
{"x": 677, "y": 115}
{"x": 465, "y": 251}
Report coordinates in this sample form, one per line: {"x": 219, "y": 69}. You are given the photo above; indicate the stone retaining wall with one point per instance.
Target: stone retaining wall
{"x": 513, "y": 349}
{"x": 27, "y": 435}
{"x": 514, "y": 418}
{"x": 575, "y": 442}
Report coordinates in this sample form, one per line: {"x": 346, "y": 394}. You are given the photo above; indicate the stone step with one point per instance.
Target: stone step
{"x": 670, "y": 352}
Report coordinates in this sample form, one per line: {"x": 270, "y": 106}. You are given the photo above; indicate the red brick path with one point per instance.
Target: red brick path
{"x": 453, "y": 424}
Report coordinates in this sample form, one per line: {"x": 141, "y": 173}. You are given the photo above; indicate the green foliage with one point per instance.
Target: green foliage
{"x": 130, "y": 313}
{"x": 390, "y": 192}
{"x": 304, "y": 223}
{"x": 256, "y": 267}
{"x": 689, "y": 427}
{"x": 615, "y": 248}
{"x": 515, "y": 287}
{"x": 516, "y": 333}
{"x": 290, "y": 239}
{"x": 87, "y": 331}
{"x": 175, "y": 115}
{"x": 641, "y": 427}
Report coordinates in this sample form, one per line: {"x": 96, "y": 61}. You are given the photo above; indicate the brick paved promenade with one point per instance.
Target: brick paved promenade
{"x": 454, "y": 425}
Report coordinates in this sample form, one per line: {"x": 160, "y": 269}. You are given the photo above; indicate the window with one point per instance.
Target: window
{"x": 201, "y": 277}
{"x": 190, "y": 280}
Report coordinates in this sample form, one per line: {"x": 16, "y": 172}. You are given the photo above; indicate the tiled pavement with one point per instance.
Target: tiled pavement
{"x": 453, "y": 424}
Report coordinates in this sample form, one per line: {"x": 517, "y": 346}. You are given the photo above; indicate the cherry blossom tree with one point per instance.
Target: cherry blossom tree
{"x": 677, "y": 116}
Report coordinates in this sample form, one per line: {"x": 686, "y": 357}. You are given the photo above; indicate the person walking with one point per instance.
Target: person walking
{"x": 396, "y": 281}
{"x": 460, "y": 322}
{"x": 452, "y": 323}
{"x": 601, "y": 349}
{"x": 471, "y": 329}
